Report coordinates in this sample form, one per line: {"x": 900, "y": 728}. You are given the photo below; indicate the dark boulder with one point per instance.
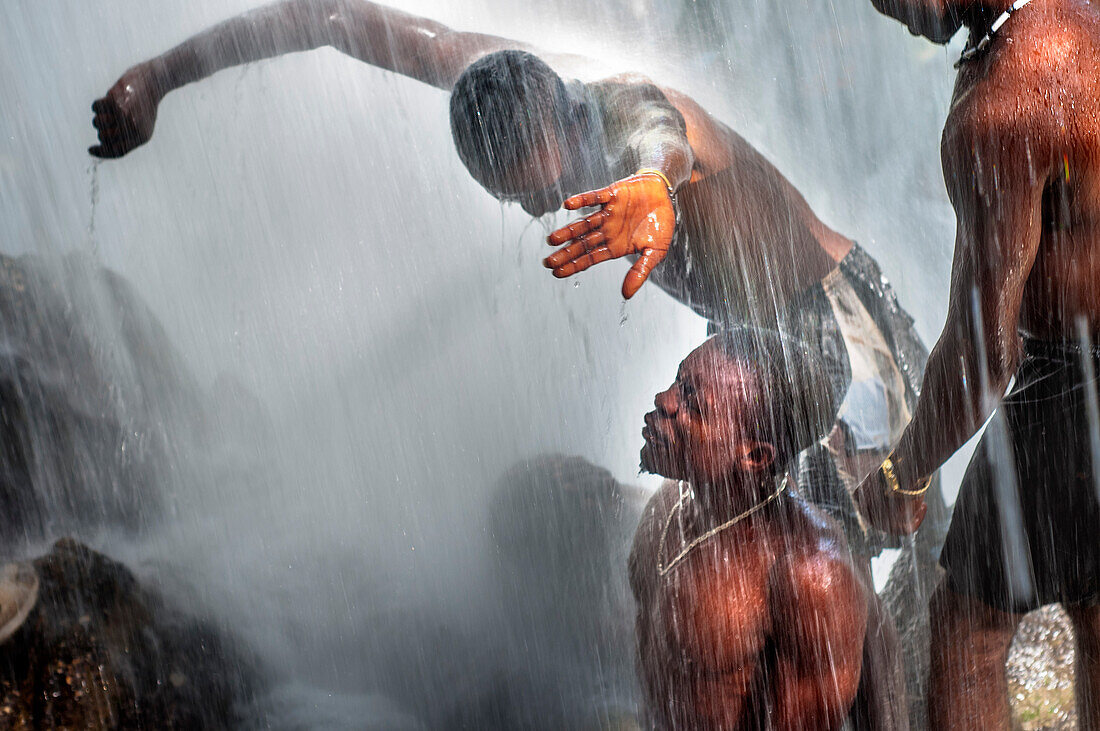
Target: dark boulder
{"x": 559, "y": 535}
{"x": 98, "y": 649}
{"x": 93, "y": 401}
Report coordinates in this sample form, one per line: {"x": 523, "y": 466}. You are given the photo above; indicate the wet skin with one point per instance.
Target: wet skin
{"x": 761, "y": 626}
{"x": 751, "y": 236}
{"x": 1021, "y": 158}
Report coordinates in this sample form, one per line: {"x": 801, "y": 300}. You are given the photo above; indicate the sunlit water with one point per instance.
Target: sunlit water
{"x": 306, "y": 234}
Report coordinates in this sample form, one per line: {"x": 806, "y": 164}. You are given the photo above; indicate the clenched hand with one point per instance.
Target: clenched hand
{"x": 126, "y": 115}
{"x": 636, "y": 216}
{"x": 886, "y": 510}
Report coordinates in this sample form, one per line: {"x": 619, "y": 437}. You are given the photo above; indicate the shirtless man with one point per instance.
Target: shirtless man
{"x": 1021, "y": 157}
{"x": 751, "y": 614}
{"x": 747, "y": 247}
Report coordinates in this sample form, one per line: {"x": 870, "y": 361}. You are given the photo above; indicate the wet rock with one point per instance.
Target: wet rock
{"x": 89, "y": 388}
{"x": 100, "y": 650}
{"x": 1040, "y": 664}
{"x": 560, "y": 614}
{"x": 1041, "y": 673}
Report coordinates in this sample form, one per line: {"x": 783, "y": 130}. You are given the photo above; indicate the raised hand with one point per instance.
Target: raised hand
{"x": 636, "y": 216}
{"x": 126, "y": 115}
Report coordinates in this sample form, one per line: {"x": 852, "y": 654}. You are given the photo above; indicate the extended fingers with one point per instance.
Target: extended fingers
{"x": 114, "y": 142}
{"x": 638, "y": 273}
{"x": 591, "y": 198}
{"x": 579, "y": 228}
{"x": 577, "y": 248}
{"x": 583, "y": 261}
{"x": 107, "y": 150}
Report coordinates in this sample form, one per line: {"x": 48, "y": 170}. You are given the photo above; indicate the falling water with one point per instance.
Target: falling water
{"x": 376, "y": 343}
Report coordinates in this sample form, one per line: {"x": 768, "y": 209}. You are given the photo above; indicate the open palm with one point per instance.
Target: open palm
{"x": 636, "y": 216}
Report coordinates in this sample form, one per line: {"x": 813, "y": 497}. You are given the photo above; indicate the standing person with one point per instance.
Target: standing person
{"x": 1021, "y": 158}
{"x": 751, "y": 614}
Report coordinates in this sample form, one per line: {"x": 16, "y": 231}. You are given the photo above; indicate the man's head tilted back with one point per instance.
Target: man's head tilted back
{"x": 746, "y": 401}
{"x": 510, "y": 120}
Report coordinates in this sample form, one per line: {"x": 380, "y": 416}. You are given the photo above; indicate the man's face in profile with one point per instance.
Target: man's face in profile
{"x": 705, "y": 426}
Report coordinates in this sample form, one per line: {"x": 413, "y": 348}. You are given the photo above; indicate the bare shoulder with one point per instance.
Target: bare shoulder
{"x": 817, "y": 578}
{"x": 628, "y": 78}
{"x": 637, "y": 83}
{"x": 643, "y": 551}
{"x": 587, "y": 69}
{"x": 716, "y": 146}
{"x": 1036, "y": 85}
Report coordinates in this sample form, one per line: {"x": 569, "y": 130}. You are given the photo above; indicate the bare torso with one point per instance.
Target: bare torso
{"x": 711, "y": 630}
{"x": 1038, "y": 80}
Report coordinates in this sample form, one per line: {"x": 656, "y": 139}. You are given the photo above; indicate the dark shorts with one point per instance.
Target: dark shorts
{"x": 1026, "y": 527}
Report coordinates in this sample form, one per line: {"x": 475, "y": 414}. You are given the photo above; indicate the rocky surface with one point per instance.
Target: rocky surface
{"x": 1040, "y": 665}
{"x": 89, "y": 388}
{"x": 1040, "y": 672}
{"x": 100, "y": 650}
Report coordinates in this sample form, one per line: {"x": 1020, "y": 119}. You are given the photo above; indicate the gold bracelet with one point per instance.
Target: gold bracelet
{"x": 887, "y": 470}
{"x": 662, "y": 176}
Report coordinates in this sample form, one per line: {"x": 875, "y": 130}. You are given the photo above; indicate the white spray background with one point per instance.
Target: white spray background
{"x": 304, "y": 226}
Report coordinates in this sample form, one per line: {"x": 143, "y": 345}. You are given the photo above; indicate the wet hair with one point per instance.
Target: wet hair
{"x": 799, "y": 401}
{"x": 502, "y": 108}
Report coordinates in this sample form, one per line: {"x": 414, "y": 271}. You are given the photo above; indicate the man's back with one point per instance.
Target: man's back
{"x": 1033, "y": 96}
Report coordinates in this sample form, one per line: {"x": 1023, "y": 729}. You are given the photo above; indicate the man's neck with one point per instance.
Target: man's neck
{"x": 979, "y": 16}
{"x": 719, "y": 503}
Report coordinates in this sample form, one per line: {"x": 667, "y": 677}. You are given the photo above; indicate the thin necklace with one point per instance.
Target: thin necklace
{"x": 663, "y": 570}
{"x": 979, "y": 48}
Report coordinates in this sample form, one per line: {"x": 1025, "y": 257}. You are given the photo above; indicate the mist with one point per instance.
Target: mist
{"x": 375, "y": 336}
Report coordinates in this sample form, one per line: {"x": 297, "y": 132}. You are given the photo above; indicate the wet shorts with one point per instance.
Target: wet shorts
{"x": 1026, "y": 527}
{"x": 870, "y": 385}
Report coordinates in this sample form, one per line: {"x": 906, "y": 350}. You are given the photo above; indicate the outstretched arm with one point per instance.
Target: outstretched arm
{"x": 937, "y": 20}
{"x": 416, "y": 47}
{"x": 996, "y": 172}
